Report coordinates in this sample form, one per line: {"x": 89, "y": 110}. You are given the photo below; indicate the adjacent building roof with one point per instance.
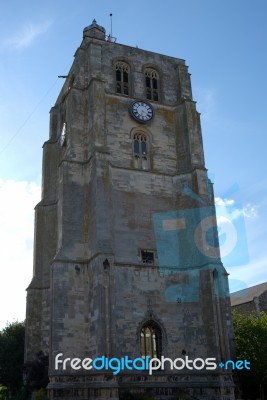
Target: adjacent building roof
{"x": 248, "y": 294}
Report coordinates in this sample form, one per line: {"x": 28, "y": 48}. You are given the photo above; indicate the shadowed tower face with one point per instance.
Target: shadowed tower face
{"x": 126, "y": 251}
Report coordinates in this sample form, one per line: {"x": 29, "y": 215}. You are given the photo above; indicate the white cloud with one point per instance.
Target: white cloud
{"x": 250, "y": 211}
{"x": 234, "y": 212}
{"x": 17, "y": 201}
{"x": 226, "y": 211}
{"x": 27, "y": 35}
{"x": 223, "y": 202}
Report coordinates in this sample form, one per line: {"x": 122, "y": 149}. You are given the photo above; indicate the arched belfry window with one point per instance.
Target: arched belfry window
{"x": 152, "y": 84}
{"x": 141, "y": 151}
{"x": 151, "y": 340}
{"x": 122, "y": 78}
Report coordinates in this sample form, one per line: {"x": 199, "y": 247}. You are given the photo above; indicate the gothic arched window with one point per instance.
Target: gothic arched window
{"x": 122, "y": 78}
{"x": 152, "y": 84}
{"x": 140, "y": 150}
{"x": 151, "y": 340}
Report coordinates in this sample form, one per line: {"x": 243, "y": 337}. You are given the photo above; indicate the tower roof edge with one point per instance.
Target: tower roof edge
{"x": 95, "y": 31}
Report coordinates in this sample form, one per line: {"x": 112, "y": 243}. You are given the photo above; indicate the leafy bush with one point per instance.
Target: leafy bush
{"x": 41, "y": 394}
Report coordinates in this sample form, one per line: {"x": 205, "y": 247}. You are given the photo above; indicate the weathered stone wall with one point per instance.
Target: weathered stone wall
{"x": 251, "y": 307}
{"x": 245, "y": 308}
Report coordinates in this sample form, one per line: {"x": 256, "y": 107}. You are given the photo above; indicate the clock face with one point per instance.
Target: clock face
{"x": 141, "y": 111}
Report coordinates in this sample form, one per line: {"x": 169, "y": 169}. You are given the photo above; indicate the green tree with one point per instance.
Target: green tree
{"x": 36, "y": 372}
{"x": 3, "y": 392}
{"x": 12, "y": 356}
{"x": 251, "y": 345}
{"x": 41, "y": 394}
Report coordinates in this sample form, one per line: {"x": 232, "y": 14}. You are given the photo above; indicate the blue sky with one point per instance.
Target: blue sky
{"x": 224, "y": 44}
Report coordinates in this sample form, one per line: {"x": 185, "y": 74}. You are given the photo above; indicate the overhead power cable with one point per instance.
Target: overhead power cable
{"x": 28, "y": 118}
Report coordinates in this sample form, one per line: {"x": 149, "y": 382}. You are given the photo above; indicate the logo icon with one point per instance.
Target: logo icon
{"x": 200, "y": 238}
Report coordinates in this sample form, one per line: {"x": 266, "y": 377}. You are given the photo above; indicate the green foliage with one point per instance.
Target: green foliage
{"x": 41, "y": 394}
{"x": 3, "y": 392}
{"x": 12, "y": 356}
{"x": 12, "y": 366}
{"x": 251, "y": 345}
{"x": 251, "y": 342}
{"x": 36, "y": 371}
{"x": 24, "y": 393}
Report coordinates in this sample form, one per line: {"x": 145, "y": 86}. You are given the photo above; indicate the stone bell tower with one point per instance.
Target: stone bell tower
{"x": 126, "y": 259}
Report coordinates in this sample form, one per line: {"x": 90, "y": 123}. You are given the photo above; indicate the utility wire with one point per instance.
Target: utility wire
{"x": 28, "y": 118}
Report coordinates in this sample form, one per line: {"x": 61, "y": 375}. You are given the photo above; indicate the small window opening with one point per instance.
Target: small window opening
{"x": 147, "y": 257}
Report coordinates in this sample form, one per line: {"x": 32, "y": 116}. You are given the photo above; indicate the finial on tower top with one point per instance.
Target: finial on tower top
{"x": 94, "y": 31}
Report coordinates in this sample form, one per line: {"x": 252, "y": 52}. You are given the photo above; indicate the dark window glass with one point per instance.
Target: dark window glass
{"x": 125, "y": 76}
{"x": 152, "y": 85}
{"x": 118, "y": 75}
{"x": 122, "y": 78}
{"x": 136, "y": 147}
{"x": 118, "y": 88}
{"x": 125, "y": 89}
{"x": 143, "y": 149}
{"x": 147, "y": 257}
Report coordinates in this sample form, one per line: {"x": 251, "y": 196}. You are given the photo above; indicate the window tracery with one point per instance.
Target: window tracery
{"x": 151, "y": 340}
{"x": 122, "y": 78}
{"x": 152, "y": 84}
{"x": 140, "y": 150}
